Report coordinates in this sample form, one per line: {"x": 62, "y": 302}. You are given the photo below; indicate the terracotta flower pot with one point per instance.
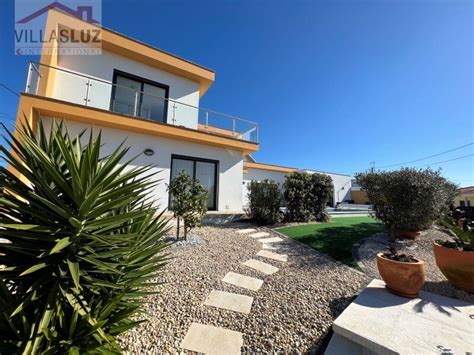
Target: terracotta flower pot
{"x": 456, "y": 265}
{"x": 409, "y": 234}
{"x": 403, "y": 279}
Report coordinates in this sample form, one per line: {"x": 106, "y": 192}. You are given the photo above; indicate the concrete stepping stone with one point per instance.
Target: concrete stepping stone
{"x": 212, "y": 340}
{"x": 270, "y": 240}
{"x": 273, "y": 256}
{"x": 265, "y": 268}
{"x": 270, "y": 246}
{"x": 246, "y": 231}
{"x": 230, "y": 301}
{"x": 259, "y": 235}
{"x": 250, "y": 283}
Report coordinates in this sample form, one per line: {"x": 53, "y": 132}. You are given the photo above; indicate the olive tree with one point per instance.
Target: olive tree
{"x": 407, "y": 199}
{"x": 188, "y": 202}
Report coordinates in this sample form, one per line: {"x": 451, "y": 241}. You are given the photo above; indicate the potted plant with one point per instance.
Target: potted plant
{"x": 404, "y": 275}
{"x": 455, "y": 258}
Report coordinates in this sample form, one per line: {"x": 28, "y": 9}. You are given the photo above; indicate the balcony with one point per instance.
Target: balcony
{"x": 77, "y": 88}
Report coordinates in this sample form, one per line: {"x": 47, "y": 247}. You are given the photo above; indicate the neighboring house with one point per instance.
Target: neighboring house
{"x": 149, "y": 99}
{"x": 259, "y": 171}
{"x": 358, "y": 195}
{"x": 465, "y": 197}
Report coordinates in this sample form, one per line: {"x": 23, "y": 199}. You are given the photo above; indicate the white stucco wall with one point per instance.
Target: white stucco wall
{"x": 72, "y": 88}
{"x": 230, "y": 162}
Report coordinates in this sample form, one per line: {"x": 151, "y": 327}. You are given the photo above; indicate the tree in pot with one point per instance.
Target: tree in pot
{"x": 407, "y": 199}
{"x": 188, "y": 202}
{"x": 455, "y": 258}
{"x": 404, "y": 275}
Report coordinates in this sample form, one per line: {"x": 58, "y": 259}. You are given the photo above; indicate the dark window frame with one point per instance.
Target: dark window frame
{"x": 194, "y": 160}
{"x": 142, "y": 82}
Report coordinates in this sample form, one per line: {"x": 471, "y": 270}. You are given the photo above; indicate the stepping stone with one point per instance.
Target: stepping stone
{"x": 270, "y": 240}
{"x": 259, "y": 235}
{"x": 273, "y": 256}
{"x": 245, "y": 231}
{"x": 212, "y": 340}
{"x": 230, "y": 301}
{"x": 270, "y": 246}
{"x": 239, "y": 280}
{"x": 267, "y": 269}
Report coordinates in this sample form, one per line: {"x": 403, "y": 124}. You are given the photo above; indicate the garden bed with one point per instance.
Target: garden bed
{"x": 291, "y": 312}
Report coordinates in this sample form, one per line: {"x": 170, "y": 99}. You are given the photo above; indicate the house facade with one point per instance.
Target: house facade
{"x": 464, "y": 197}
{"x": 149, "y": 99}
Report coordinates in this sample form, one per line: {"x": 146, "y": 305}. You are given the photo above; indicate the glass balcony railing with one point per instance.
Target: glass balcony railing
{"x": 77, "y": 88}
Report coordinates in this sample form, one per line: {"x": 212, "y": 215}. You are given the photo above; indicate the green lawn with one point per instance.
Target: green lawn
{"x": 336, "y": 237}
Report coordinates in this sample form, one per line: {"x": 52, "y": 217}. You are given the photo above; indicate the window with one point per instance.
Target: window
{"x": 468, "y": 203}
{"x": 135, "y": 96}
{"x": 203, "y": 170}
{"x": 462, "y": 203}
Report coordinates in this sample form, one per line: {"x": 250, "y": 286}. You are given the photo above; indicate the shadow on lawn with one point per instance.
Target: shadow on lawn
{"x": 337, "y": 241}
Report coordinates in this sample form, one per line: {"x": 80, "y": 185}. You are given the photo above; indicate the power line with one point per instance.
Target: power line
{"x": 431, "y": 156}
{"x": 10, "y": 90}
{"x": 445, "y": 161}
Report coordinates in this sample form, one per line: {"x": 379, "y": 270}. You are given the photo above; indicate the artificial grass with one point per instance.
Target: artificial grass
{"x": 336, "y": 237}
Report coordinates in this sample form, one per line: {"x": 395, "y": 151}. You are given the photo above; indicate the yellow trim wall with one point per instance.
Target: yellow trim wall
{"x": 129, "y": 48}
{"x": 35, "y": 106}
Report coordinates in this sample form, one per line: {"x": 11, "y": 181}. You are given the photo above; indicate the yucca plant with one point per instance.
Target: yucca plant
{"x": 82, "y": 243}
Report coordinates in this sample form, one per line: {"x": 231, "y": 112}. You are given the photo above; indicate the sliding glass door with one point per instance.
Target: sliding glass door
{"x": 139, "y": 97}
{"x": 203, "y": 170}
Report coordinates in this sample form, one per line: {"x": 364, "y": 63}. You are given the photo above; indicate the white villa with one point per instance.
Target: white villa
{"x": 150, "y": 99}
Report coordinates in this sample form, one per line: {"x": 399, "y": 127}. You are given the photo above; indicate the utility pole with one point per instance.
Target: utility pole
{"x": 372, "y": 169}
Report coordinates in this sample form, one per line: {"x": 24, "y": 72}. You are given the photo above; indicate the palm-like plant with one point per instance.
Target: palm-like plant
{"x": 82, "y": 243}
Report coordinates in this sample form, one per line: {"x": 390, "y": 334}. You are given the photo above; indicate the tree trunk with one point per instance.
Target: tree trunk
{"x": 185, "y": 233}
{"x": 391, "y": 233}
{"x": 177, "y": 229}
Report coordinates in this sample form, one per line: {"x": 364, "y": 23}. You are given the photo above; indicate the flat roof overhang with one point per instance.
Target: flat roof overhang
{"x": 33, "y": 107}
{"x": 128, "y": 47}
{"x": 268, "y": 167}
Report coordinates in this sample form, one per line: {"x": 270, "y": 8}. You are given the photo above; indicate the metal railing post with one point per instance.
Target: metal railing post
{"x": 88, "y": 85}
{"x": 233, "y": 127}
{"x": 135, "y": 108}
{"x": 207, "y": 121}
{"x": 28, "y": 79}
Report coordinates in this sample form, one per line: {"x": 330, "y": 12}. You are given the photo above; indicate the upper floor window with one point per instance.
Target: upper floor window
{"x": 135, "y": 96}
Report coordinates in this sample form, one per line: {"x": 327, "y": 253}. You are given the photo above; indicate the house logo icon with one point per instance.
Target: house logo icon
{"x": 81, "y": 12}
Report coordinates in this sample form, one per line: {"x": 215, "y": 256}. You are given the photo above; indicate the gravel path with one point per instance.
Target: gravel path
{"x": 291, "y": 312}
{"x": 422, "y": 248}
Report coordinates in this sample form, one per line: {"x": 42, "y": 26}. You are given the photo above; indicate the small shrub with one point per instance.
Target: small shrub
{"x": 407, "y": 199}
{"x": 306, "y": 196}
{"x": 83, "y": 244}
{"x": 189, "y": 202}
{"x": 264, "y": 201}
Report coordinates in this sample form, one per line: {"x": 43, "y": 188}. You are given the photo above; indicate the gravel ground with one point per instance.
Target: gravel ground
{"x": 291, "y": 312}
{"x": 422, "y": 248}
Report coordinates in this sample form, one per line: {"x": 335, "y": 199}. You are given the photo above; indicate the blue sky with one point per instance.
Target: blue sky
{"x": 333, "y": 85}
